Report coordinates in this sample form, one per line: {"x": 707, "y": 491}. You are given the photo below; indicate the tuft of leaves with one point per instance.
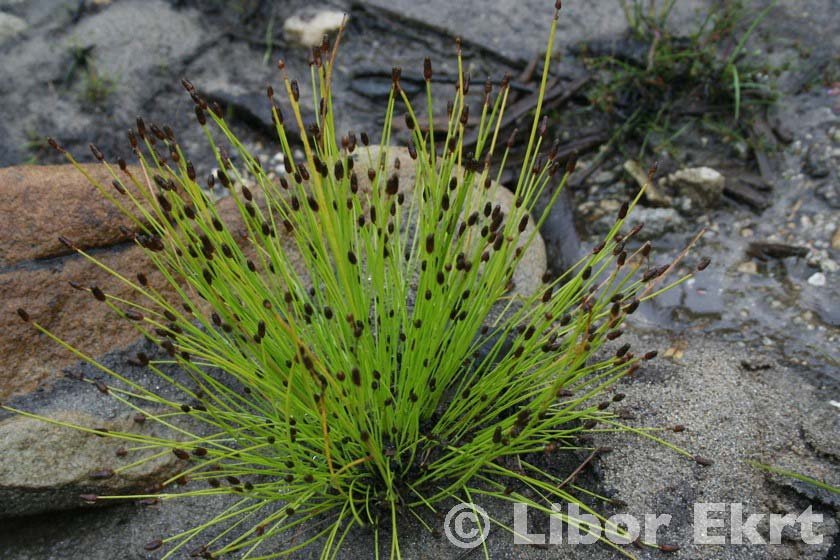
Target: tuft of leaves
{"x": 382, "y": 366}
{"x": 658, "y": 86}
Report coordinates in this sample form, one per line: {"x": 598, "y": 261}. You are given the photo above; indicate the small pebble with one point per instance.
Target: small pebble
{"x": 817, "y": 279}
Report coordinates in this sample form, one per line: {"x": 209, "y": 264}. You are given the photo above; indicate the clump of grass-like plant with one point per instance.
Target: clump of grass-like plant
{"x": 395, "y": 370}
{"x": 702, "y": 81}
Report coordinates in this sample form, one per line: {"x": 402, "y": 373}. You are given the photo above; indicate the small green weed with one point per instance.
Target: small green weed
{"x": 661, "y": 86}
{"x": 96, "y": 86}
{"x": 797, "y": 476}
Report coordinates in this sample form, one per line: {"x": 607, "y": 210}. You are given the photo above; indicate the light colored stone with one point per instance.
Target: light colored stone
{"x": 703, "y": 186}
{"x": 817, "y": 279}
{"x": 658, "y": 222}
{"x": 10, "y": 26}
{"x": 835, "y": 239}
{"x": 134, "y": 40}
{"x": 604, "y": 177}
{"x": 748, "y": 267}
{"x": 308, "y": 27}
{"x": 45, "y": 466}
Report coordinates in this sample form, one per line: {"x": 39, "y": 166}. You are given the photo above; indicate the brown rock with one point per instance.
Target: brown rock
{"x": 38, "y": 203}
{"x": 30, "y": 483}
{"x": 43, "y": 291}
{"x": 42, "y": 287}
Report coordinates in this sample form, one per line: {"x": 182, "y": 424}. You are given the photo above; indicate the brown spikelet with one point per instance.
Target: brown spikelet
{"x": 393, "y": 185}
{"x": 101, "y": 475}
{"x": 54, "y": 145}
{"x": 622, "y": 212}
{"x": 66, "y": 242}
{"x": 427, "y": 69}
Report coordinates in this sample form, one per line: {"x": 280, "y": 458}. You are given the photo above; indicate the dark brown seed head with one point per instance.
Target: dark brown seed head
{"x": 704, "y": 262}
{"x": 103, "y": 474}
{"x": 497, "y": 435}
{"x": 23, "y": 314}
{"x": 571, "y": 163}
{"x": 505, "y": 81}
{"x": 612, "y": 335}
{"x": 427, "y": 69}
{"x": 622, "y": 212}
{"x": 393, "y": 185}
{"x": 97, "y": 153}
{"x": 53, "y": 144}
{"x": 157, "y": 132}
{"x": 636, "y": 229}
{"x": 313, "y": 204}
{"x": 652, "y": 171}
{"x": 512, "y": 138}
{"x": 153, "y": 545}
{"x": 66, "y": 242}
